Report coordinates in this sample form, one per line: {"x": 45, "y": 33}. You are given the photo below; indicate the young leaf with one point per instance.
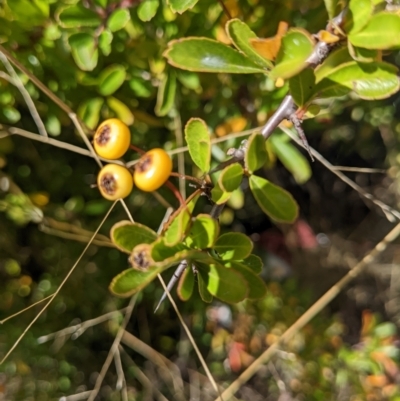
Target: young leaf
{"x": 186, "y": 284}
{"x": 207, "y": 55}
{"x": 240, "y": 35}
{"x": 202, "y": 284}
{"x": 131, "y": 281}
{"x": 254, "y": 263}
{"x": 111, "y": 78}
{"x": 180, "y": 6}
{"x": 255, "y": 284}
{"x": 166, "y": 94}
{"x": 89, "y": 111}
{"x": 297, "y": 46}
{"x": 147, "y": 9}
{"x": 219, "y": 196}
{"x": 198, "y": 139}
{"x": 357, "y": 16}
{"x": 335, "y": 59}
{"x": 381, "y": 32}
{"x": 118, "y": 19}
{"x": 377, "y": 80}
{"x": 301, "y": 86}
{"x": 105, "y": 40}
{"x": 203, "y": 232}
{"x": 233, "y": 246}
{"x": 332, "y": 7}
{"x": 223, "y": 283}
{"x": 126, "y": 235}
{"x": 291, "y": 158}
{"x": 231, "y": 177}
{"x": 122, "y": 111}
{"x": 256, "y": 154}
{"x": 84, "y": 50}
{"x": 273, "y": 200}
{"x": 78, "y": 16}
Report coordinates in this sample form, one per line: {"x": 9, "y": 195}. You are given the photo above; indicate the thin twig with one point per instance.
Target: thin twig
{"x": 311, "y": 312}
{"x": 121, "y": 382}
{"x": 181, "y": 158}
{"x": 75, "y": 397}
{"x": 225, "y": 9}
{"x": 363, "y": 170}
{"x": 25, "y": 94}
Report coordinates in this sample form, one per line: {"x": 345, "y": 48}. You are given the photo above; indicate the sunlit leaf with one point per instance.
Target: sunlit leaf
{"x": 122, "y": 111}
{"x": 301, "y": 86}
{"x": 180, "y": 6}
{"x": 203, "y": 232}
{"x": 84, "y": 50}
{"x": 256, "y": 155}
{"x": 89, "y": 111}
{"x": 233, "y": 246}
{"x": 357, "y": 16}
{"x": 111, "y": 78}
{"x": 147, "y": 9}
{"x": 231, "y": 177}
{"x": 78, "y": 16}
{"x": 166, "y": 94}
{"x": 126, "y": 235}
{"x": 105, "y": 40}
{"x": 118, "y": 19}
{"x": 186, "y": 284}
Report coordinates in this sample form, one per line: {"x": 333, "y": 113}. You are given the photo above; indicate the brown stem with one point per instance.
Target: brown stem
{"x": 187, "y": 177}
{"x": 136, "y": 149}
{"x": 175, "y": 191}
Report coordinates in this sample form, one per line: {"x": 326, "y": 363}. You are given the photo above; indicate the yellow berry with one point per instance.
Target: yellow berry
{"x": 152, "y": 170}
{"x": 112, "y": 139}
{"x": 115, "y": 182}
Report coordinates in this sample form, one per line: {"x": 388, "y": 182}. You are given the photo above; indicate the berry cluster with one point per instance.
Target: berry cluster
{"x": 111, "y": 141}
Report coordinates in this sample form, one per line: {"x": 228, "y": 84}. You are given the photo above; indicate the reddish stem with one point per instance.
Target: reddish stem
{"x": 136, "y": 149}
{"x": 187, "y": 177}
{"x": 175, "y": 191}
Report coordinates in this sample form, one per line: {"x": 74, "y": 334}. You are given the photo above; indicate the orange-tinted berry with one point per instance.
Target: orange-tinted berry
{"x": 112, "y": 139}
{"x": 152, "y": 170}
{"x": 115, "y": 182}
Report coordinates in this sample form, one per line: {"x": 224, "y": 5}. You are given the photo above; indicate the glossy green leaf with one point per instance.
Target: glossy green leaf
{"x": 236, "y": 200}
{"x": 186, "y": 284}
{"x": 291, "y": 158}
{"x": 166, "y": 94}
{"x": 122, "y": 111}
{"x": 125, "y": 235}
{"x": 256, "y": 154}
{"x": 377, "y": 80}
{"x": 254, "y": 263}
{"x": 131, "y": 281}
{"x": 233, "y": 246}
{"x": 381, "y": 32}
{"x": 202, "y": 285}
{"x": 335, "y": 59}
{"x": 160, "y": 251}
{"x": 332, "y": 7}
{"x": 231, "y": 177}
{"x": 29, "y": 12}
{"x": 219, "y": 196}
{"x": 53, "y": 125}
{"x": 78, "y": 16}
{"x": 89, "y": 111}
{"x": 223, "y": 283}
{"x": 118, "y": 19}
{"x": 203, "y": 232}
{"x": 199, "y": 143}
{"x": 357, "y": 16}
{"x": 190, "y": 80}
{"x": 274, "y": 201}
{"x": 301, "y": 86}
{"x": 207, "y": 55}
{"x": 178, "y": 223}
{"x": 105, "y": 40}
{"x": 297, "y": 46}
{"x": 180, "y": 6}
{"x": 255, "y": 284}
{"x": 84, "y": 50}
{"x": 240, "y": 35}
{"x": 147, "y": 9}
{"x": 111, "y": 78}
{"x": 363, "y": 55}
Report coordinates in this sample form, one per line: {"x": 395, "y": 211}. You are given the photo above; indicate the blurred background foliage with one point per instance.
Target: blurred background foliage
{"x": 104, "y": 58}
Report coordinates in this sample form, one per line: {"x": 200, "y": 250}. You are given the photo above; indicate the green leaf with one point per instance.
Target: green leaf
{"x": 111, "y": 78}
{"x": 219, "y": 196}
{"x": 147, "y": 9}
{"x": 160, "y": 251}
{"x": 231, "y": 177}
{"x": 118, "y": 19}
{"x": 166, "y": 94}
{"x": 363, "y": 55}
{"x": 203, "y": 232}
{"x": 301, "y": 86}
{"x": 233, "y": 246}
{"x": 381, "y": 32}
{"x": 291, "y": 158}
{"x": 335, "y": 59}
{"x": 84, "y": 50}
{"x": 240, "y": 35}
{"x": 105, "y": 40}
{"x": 332, "y": 6}
{"x": 370, "y": 81}
{"x": 223, "y": 283}
{"x": 78, "y": 16}
{"x": 255, "y": 284}
{"x": 131, "y": 281}
{"x": 29, "y": 12}
{"x": 122, "y": 111}
{"x": 180, "y": 6}
{"x": 126, "y": 235}
{"x": 256, "y": 154}
{"x": 186, "y": 284}
{"x": 297, "y": 46}
{"x": 89, "y": 111}
{"x": 254, "y": 263}
{"x": 207, "y": 55}
{"x": 357, "y": 16}
{"x": 202, "y": 284}
{"x": 178, "y": 223}
{"x": 274, "y": 201}
{"x": 199, "y": 143}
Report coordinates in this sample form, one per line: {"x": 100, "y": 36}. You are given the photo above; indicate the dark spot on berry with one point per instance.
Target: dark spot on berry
{"x": 104, "y": 135}
{"x": 144, "y": 164}
{"x": 108, "y": 183}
